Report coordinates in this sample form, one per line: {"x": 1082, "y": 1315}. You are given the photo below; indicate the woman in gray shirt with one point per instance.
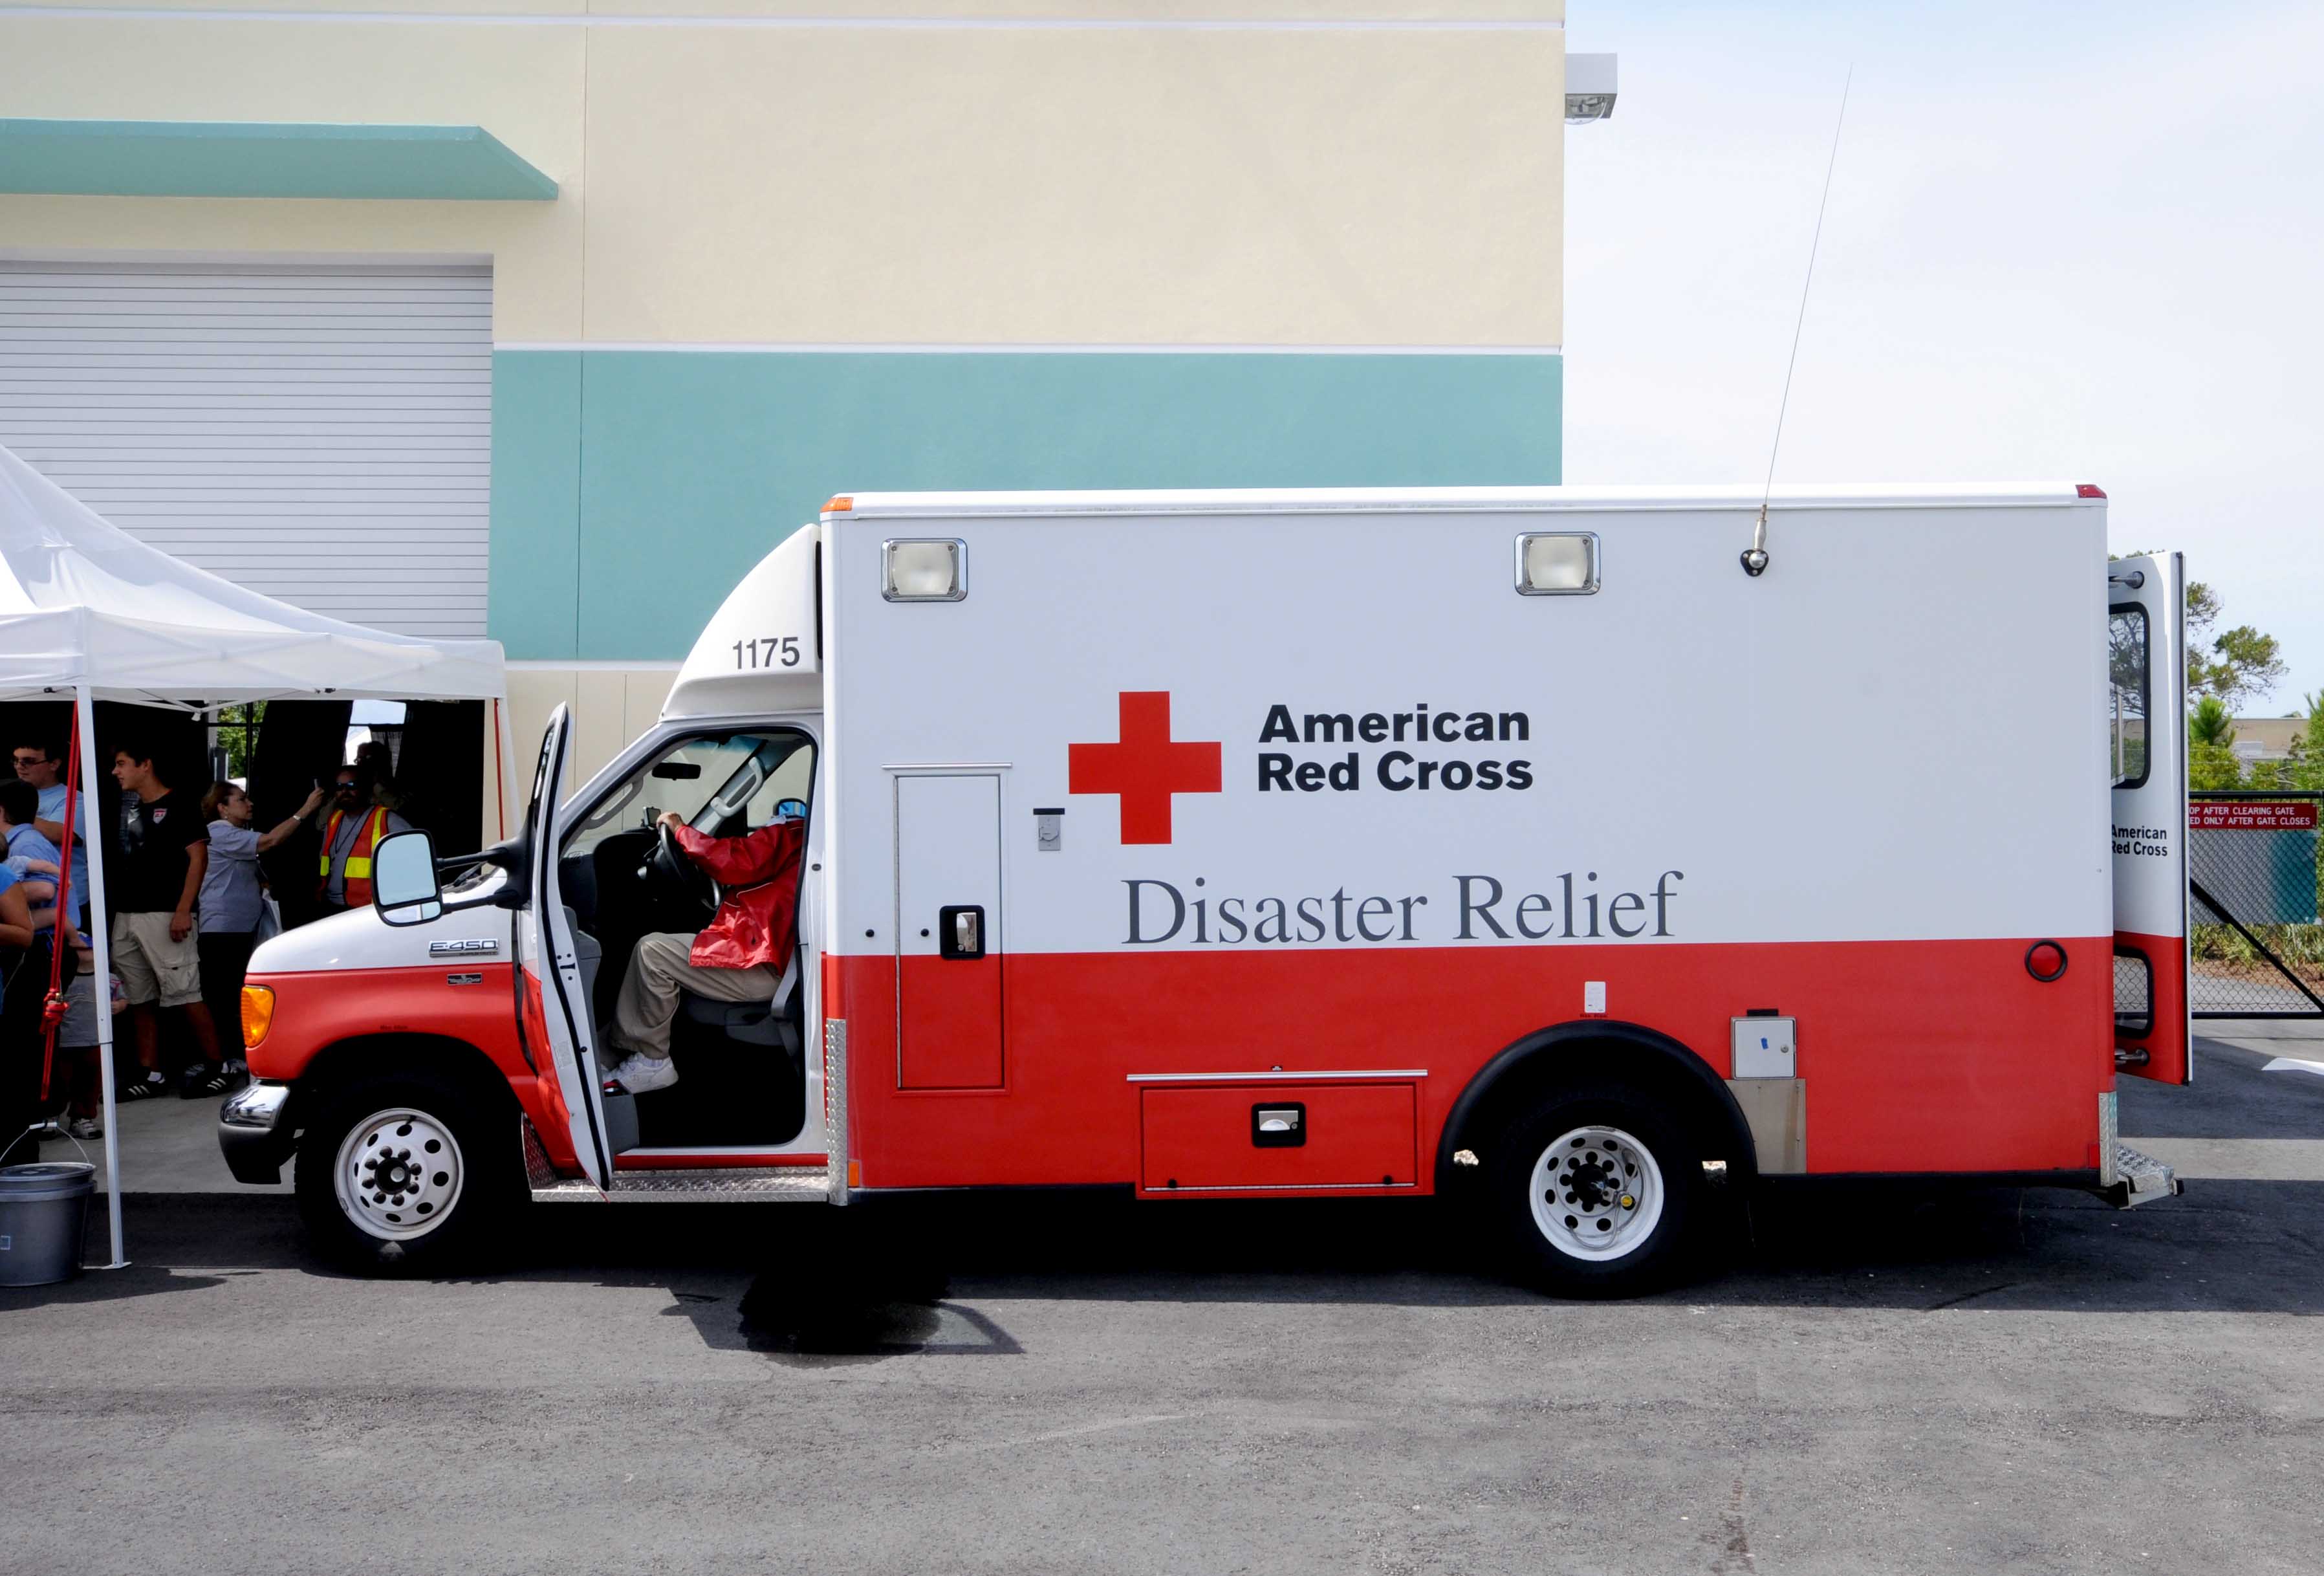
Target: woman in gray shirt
{"x": 233, "y": 899}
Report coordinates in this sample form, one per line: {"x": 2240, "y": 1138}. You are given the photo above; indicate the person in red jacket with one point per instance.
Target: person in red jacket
{"x": 739, "y": 957}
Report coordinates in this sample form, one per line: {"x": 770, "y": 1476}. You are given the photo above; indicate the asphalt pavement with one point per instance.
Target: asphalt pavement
{"x": 1890, "y": 1378}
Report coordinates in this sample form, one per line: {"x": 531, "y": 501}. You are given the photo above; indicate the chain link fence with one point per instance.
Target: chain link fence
{"x": 2255, "y": 879}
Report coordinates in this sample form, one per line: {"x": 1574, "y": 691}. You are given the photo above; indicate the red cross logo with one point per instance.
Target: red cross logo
{"x": 1145, "y": 768}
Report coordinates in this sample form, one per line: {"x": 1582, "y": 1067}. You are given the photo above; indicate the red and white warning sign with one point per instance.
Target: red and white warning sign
{"x": 2252, "y": 815}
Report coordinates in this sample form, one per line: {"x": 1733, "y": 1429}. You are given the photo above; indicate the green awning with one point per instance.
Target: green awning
{"x": 178, "y": 158}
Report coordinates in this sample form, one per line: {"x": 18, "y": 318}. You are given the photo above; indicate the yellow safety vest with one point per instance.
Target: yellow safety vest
{"x": 357, "y": 872}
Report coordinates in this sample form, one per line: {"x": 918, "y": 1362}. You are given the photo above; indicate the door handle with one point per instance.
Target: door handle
{"x": 960, "y": 931}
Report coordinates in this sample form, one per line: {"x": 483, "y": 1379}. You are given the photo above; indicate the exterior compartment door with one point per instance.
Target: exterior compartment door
{"x": 2146, "y": 750}
{"x": 1279, "y": 1137}
{"x": 557, "y": 1021}
{"x": 949, "y": 932}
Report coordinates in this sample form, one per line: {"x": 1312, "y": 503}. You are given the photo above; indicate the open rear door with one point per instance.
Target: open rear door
{"x": 555, "y": 1008}
{"x": 2147, "y": 744}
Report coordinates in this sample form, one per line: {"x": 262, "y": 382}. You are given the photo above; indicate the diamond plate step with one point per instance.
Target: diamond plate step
{"x": 772, "y": 1185}
{"x": 2139, "y": 1178}
{"x": 790, "y": 1184}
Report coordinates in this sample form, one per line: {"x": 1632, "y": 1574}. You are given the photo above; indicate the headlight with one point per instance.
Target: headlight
{"x": 257, "y": 1013}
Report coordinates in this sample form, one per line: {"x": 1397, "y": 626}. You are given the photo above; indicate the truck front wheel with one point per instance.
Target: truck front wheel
{"x": 1597, "y": 1192}
{"x": 402, "y": 1172}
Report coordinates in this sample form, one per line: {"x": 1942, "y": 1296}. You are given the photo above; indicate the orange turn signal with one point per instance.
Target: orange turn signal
{"x": 838, "y": 505}
{"x": 257, "y": 1013}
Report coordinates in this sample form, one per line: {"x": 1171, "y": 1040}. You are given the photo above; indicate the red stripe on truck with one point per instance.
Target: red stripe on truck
{"x": 1917, "y": 1056}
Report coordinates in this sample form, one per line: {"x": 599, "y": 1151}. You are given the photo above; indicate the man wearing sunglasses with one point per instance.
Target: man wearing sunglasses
{"x": 354, "y": 825}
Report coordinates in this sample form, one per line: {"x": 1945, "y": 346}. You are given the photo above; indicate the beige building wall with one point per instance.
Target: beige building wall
{"x": 522, "y": 84}
{"x": 610, "y": 706}
{"x": 741, "y": 175}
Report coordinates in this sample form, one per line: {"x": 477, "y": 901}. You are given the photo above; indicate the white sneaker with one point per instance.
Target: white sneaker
{"x": 85, "y": 1128}
{"x": 642, "y": 1074}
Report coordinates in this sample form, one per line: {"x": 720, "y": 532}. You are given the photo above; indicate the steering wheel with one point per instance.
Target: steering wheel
{"x": 669, "y": 865}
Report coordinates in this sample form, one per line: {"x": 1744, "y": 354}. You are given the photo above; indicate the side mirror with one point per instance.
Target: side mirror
{"x": 791, "y": 810}
{"x": 404, "y": 879}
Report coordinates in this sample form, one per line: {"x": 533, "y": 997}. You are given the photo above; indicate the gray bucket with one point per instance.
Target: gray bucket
{"x": 43, "y": 1212}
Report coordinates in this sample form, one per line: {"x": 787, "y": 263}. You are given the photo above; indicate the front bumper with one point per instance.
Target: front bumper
{"x": 253, "y": 1134}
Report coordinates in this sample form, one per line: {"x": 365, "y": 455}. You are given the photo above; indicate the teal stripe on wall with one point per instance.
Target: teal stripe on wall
{"x": 178, "y": 158}
{"x": 690, "y": 466}
{"x": 535, "y": 566}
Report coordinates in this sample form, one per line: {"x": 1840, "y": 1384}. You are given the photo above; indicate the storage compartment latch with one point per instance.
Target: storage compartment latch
{"x": 1279, "y": 1125}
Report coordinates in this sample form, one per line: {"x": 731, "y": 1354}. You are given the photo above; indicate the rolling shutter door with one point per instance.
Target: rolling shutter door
{"x": 321, "y": 434}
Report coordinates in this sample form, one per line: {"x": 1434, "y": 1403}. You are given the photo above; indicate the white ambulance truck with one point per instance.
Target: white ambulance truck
{"x": 1516, "y": 845}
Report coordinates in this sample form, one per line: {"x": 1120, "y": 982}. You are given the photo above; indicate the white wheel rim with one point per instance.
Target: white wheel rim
{"x": 398, "y": 1174}
{"x": 1597, "y": 1193}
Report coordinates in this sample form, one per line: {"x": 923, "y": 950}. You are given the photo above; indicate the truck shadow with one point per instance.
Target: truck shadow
{"x": 911, "y": 1275}
{"x": 930, "y": 1273}
{"x": 2241, "y": 1247}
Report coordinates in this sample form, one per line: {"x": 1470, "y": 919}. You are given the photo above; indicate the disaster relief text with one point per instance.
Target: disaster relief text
{"x": 1476, "y": 908}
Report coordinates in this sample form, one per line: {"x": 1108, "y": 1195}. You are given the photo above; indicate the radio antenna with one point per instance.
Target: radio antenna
{"x": 1755, "y": 559}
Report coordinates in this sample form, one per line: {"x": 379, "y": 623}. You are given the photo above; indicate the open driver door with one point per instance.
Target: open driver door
{"x": 557, "y": 1021}
{"x": 2146, "y": 743}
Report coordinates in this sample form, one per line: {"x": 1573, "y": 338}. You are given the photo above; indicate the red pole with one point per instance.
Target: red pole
{"x": 53, "y": 1010}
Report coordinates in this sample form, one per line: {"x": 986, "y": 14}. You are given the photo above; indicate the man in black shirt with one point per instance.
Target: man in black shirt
{"x": 151, "y": 888}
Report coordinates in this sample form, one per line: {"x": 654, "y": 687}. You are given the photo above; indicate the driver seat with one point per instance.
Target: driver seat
{"x": 743, "y": 1079}
{"x": 752, "y": 1023}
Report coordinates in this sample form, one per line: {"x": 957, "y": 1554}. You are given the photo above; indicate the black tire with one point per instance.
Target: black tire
{"x": 471, "y": 1222}
{"x": 1654, "y": 1258}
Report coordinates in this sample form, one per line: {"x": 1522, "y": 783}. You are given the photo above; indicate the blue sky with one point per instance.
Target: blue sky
{"x": 2068, "y": 242}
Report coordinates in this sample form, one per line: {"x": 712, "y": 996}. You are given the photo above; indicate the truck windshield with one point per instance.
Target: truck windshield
{"x": 721, "y": 784}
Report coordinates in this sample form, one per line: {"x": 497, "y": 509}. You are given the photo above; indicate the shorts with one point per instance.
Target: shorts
{"x": 153, "y": 967}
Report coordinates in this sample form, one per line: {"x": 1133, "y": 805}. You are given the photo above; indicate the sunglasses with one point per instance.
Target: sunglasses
{"x": 31, "y": 760}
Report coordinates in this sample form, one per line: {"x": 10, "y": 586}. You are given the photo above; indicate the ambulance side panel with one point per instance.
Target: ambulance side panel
{"x": 1710, "y": 795}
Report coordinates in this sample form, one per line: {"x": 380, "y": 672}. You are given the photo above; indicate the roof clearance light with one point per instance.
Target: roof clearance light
{"x": 924, "y": 571}
{"x": 2089, "y": 490}
{"x": 1557, "y": 564}
{"x": 838, "y": 505}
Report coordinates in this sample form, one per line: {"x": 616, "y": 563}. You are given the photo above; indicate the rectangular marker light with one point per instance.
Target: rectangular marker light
{"x": 924, "y": 571}
{"x": 1557, "y": 563}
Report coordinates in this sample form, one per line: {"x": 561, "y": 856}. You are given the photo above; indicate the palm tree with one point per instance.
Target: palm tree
{"x": 2209, "y": 724}
{"x": 2212, "y": 739}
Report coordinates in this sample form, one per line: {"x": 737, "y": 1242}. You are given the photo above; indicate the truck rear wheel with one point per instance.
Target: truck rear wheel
{"x": 400, "y": 1173}
{"x": 1596, "y": 1193}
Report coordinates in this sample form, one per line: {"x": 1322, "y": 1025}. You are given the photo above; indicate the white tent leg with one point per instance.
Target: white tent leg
{"x": 100, "y": 946}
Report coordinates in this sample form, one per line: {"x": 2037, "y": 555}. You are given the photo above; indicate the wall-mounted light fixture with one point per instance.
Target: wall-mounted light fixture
{"x": 1588, "y": 88}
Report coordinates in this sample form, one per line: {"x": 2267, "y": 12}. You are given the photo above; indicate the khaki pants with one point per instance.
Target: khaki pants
{"x": 152, "y": 967}
{"x": 657, "y": 972}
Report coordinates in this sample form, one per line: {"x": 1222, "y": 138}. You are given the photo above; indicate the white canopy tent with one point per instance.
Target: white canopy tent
{"x": 87, "y": 610}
